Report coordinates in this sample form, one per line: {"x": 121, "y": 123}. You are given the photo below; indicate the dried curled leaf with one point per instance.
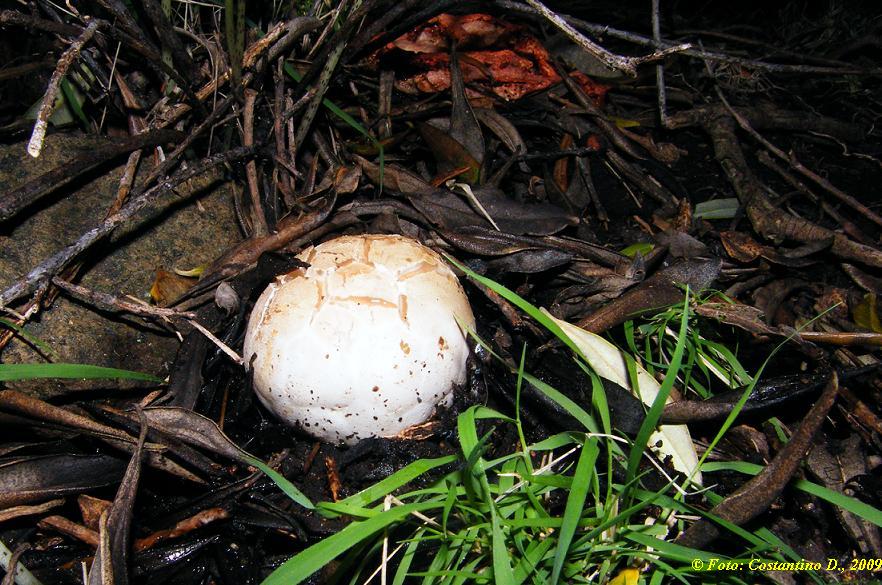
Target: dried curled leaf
{"x": 672, "y": 441}
{"x": 866, "y": 314}
{"x": 169, "y": 286}
{"x": 501, "y": 57}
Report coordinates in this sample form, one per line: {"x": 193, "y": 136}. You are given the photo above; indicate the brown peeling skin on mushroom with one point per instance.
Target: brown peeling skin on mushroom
{"x": 421, "y": 268}
{"x": 366, "y": 252}
{"x": 352, "y": 268}
{"x": 376, "y": 301}
{"x": 320, "y": 294}
{"x": 298, "y": 272}
{"x": 402, "y": 308}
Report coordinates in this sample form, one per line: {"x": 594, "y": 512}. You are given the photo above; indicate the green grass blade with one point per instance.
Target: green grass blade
{"x": 286, "y": 486}
{"x": 574, "y": 410}
{"x": 302, "y": 565}
{"x": 671, "y": 551}
{"x": 778, "y": 544}
{"x": 449, "y": 502}
{"x": 74, "y": 101}
{"x": 531, "y": 559}
{"x": 717, "y": 208}
{"x": 401, "y": 477}
{"x": 401, "y": 573}
{"x": 10, "y": 372}
{"x": 467, "y": 431}
{"x": 503, "y": 574}
{"x": 575, "y": 503}
{"x": 520, "y": 303}
{"x": 655, "y": 411}
{"x": 20, "y": 331}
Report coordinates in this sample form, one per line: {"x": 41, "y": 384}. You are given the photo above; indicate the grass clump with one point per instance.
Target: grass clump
{"x": 571, "y": 508}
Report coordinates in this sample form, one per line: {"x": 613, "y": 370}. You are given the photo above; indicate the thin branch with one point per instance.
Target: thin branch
{"x": 615, "y": 62}
{"x": 118, "y": 304}
{"x": 258, "y": 217}
{"x": 35, "y": 146}
{"x": 285, "y": 33}
{"x": 321, "y": 87}
{"x": 798, "y": 167}
{"x": 757, "y": 494}
{"x": 14, "y": 200}
{"x": 237, "y": 359}
{"x": 660, "y": 68}
{"x": 603, "y": 30}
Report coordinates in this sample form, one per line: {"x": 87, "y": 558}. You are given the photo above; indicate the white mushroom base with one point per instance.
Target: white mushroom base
{"x": 363, "y": 343}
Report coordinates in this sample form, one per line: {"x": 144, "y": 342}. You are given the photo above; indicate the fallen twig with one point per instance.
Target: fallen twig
{"x": 768, "y": 220}
{"x": 798, "y": 167}
{"x": 183, "y": 527}
{"x": 273, "y": 43}
{"x": 118, "y": 304}
{"x": 627, "y": 65}
{"x": 847, "y": 226}
{"x": 15, "y": 572}
{"x": 661, "y": 289}
{"x": 662, "y": 95}
{"x": 35, "y": 145}
{"x": 755, "y": 496}
{"x": 170, "y": 39}
{"x": 258, "y": 217}
{"x": 843, "y": 338}
{"x": 18, "y": 511}
{"x": 604, "y": 30}
{"x": 235, "y": 357}
{"x": 70, "y": 528}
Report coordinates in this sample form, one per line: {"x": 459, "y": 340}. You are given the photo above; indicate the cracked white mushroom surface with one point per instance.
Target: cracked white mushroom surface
{"x": 362, "y": 343}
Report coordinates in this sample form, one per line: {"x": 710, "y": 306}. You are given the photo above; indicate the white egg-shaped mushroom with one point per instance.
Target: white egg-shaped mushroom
{"x": 364, "y": 342}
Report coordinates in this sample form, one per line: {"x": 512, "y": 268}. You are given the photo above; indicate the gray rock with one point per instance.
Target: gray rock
{"x": 187, "y": 231}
